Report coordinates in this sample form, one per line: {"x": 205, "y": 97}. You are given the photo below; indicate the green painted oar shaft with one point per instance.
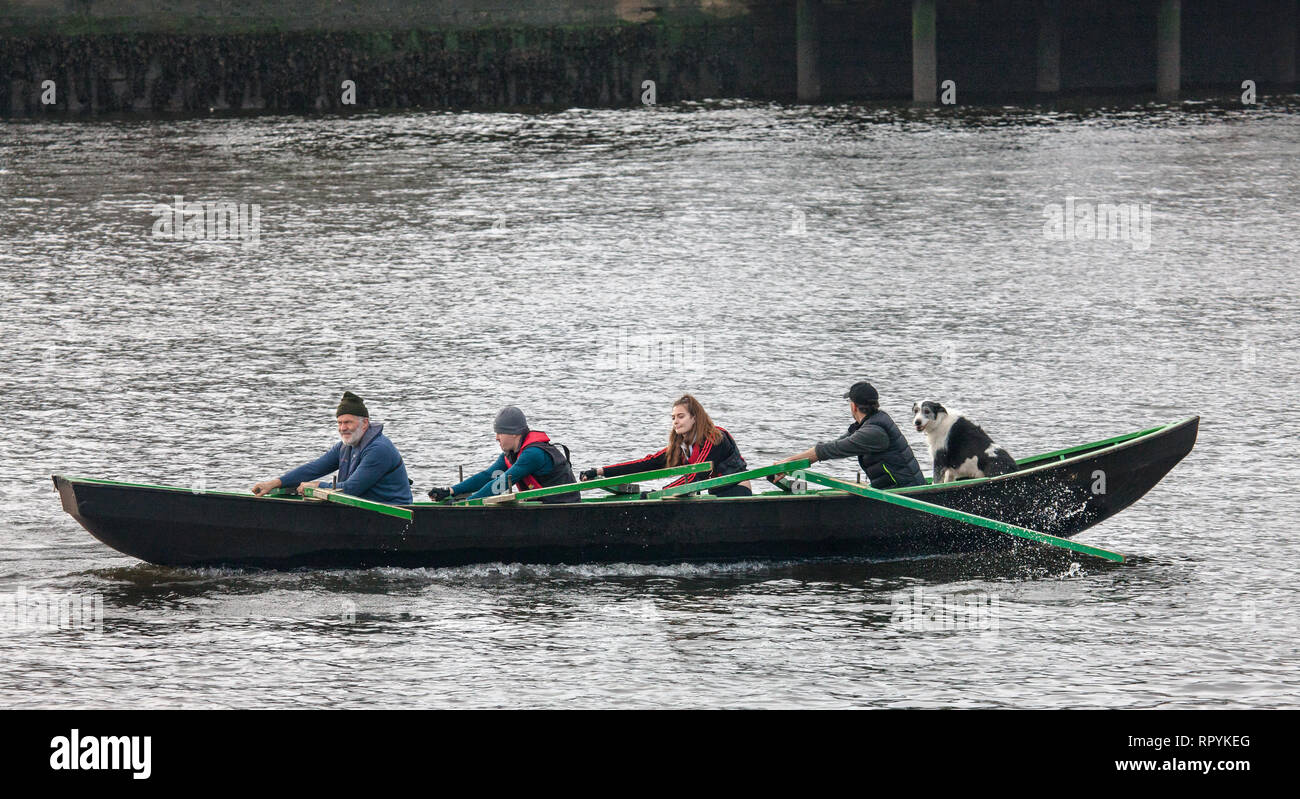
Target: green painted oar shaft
{"x": 312, "y": 492}
{"x": 728, "y": 479}
{"x": 961, "y": 516}
{"x": 790, "y": 486}
{"x": 603, "y": 482}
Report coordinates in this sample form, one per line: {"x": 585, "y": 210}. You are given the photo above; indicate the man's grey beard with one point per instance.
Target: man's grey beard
{"x": 356, "y": 436}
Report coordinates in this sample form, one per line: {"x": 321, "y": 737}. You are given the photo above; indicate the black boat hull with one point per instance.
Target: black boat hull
{"x": 177, "y": 527}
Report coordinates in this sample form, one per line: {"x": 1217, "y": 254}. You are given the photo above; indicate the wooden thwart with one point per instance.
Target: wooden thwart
{"x": 961, "y": 516}
{"x": 727, "y": 479}
{"x": 336, "y": 496}
{"x": 603, "y": 482}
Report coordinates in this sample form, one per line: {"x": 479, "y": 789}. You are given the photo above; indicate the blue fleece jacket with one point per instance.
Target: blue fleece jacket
{"x": 371, "y": 470}
{"x": 534, "y": 460}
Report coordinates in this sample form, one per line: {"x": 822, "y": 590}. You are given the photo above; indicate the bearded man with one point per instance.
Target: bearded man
{"x": 367, "y": 463}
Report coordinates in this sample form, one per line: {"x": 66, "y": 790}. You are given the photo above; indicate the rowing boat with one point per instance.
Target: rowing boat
{"x": 1060, "y": 493}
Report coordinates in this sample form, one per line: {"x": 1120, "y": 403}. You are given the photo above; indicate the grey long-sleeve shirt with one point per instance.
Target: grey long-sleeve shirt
{"x": 866, "y": 439}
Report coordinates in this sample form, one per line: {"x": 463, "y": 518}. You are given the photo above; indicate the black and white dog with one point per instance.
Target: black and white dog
{"x": 960, "y": 448}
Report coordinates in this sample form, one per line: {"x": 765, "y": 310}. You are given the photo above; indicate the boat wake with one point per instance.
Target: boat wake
{"x": 1030, "y": 564}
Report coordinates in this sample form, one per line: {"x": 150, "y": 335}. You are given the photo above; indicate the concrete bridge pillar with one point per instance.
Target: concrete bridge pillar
{"x": 925, "y": 62}
{"x": 807, "y": 33}
{"x": 1169, "y": 49}
{"x": 1048, "y": 79}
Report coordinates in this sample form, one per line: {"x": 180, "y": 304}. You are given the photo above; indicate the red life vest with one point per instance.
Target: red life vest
{"x": 535, "y": 438}
{"x": 704, "y": 451}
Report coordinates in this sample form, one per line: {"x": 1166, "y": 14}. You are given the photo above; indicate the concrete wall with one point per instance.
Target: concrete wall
{"x": 227, "y": 16}
{"x": 189, "y": 56}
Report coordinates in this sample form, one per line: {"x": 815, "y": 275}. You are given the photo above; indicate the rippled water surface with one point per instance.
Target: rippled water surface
{"x": 590, "y": 266}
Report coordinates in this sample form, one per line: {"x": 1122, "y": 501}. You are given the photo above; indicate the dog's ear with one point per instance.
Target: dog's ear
{"x": 938, "y": 409}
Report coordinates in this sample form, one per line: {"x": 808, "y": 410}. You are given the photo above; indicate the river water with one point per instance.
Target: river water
{"x": 592, "y": 265}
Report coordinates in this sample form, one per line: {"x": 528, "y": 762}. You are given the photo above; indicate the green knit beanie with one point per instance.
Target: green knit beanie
{"x": 352, "y": 404}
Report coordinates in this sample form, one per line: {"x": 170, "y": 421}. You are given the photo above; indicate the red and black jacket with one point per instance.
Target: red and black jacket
{"x": 561, "y": 471}
{"x": 725, "y": 456}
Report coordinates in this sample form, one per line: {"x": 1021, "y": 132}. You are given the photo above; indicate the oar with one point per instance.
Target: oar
{"x": 961, "y": 516}
{"x": 787, "y": 485}
{"x": 333, "y": 495}
{"x": 784, "y": 483}
{"x": 603, "y": 482}
{"x": 626, "y": 488}
{"x": 727, "y": 479}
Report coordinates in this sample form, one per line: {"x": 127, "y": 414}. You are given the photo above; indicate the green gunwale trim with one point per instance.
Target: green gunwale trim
{"x": 98, "y": 481}
{"x": 603, "y": 482}
{"x": 1044, "y": 461}
{"x": 1061, "y": 453}
{"x": 612, "y": 498}
{"x": 606, "y": 482}
{"x": 1084, "y": 450}
{"x": 478, "y": 503}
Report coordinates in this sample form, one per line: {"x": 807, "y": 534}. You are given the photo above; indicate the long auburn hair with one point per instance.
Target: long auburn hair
{"x": 703, "y": 429}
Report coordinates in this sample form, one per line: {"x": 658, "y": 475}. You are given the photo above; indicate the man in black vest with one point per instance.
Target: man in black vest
{"x": 885, "y": 456}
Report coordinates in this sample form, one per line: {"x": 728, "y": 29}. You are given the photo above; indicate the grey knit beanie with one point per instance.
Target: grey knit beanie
{"x": 510, "y": 421}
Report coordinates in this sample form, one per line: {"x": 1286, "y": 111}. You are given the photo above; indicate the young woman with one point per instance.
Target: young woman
{"x": 694, "y": 438}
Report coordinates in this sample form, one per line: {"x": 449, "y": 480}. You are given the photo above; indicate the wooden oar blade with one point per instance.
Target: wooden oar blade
{"x": 961, "y": 516}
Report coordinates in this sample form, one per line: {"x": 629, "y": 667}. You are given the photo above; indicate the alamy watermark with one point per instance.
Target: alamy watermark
{"x": 649, "y": 352}
{"x": 1082, "y": 221}
{"x": 75, "y": 751}
{"x": 798, "y": 223}
{"x": 222, "y": 220}
{"x": 37, "y": 610}
{"x": 1249, "y": 353}
{"x": 948, "y": 95}
{"x": 917, "y": 611}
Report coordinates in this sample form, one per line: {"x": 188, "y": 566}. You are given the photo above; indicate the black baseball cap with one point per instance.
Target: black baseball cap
{"x": 862, "y": 393}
